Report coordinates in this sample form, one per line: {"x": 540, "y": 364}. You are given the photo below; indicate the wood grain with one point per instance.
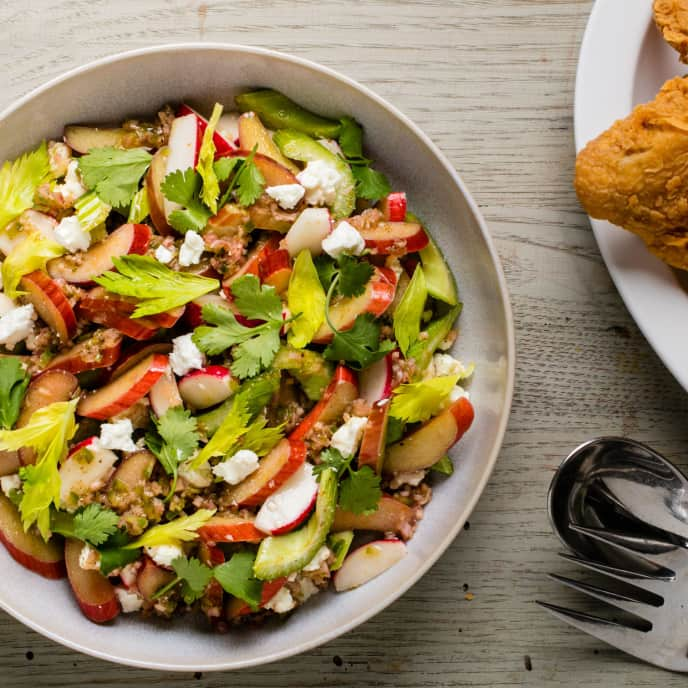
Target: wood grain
{"x": 492, "y": 84}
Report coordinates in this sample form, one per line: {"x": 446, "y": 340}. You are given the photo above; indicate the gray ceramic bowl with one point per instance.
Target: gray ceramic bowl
{"x": 137, "y": 83}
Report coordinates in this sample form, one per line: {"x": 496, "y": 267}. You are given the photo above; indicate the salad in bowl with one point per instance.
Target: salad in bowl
{"x": 223, "y": 373}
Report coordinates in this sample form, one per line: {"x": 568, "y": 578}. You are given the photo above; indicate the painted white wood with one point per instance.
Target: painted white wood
{"x": 492, "y": 83}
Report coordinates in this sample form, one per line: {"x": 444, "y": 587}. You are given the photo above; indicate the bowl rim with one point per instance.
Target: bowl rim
{"x": 490, "y": 460}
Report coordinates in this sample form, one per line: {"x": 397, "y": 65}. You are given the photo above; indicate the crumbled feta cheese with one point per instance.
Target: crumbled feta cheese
{"x": 317, "y": 561}
{"x": 320, "y": 180}
{"x": 447, "y": 365}
{"x": 129, "y": 573}
{"x": 331, "y": 146}
{"x": 164, "y": 555}
{"x": 163, "y": 254}
{"x": 347, "y": 438}
{"x": 117, "y": 436}
{"x": 89, "y": 559}
{"x": 281, "y": 602}
{"x": 343, "y": 239}
{"x": 72, "y": 188}
{"x": 129, "y": 600}
{"x": 185, "y": 355}
{"x": 192, "y": 249}
{"x": 237, "y": 467}
{"x": 412, "y": 478}
{"x": 200, "y": 477}
{"x": 9, "y": 483}
{"x": 16, "y": 325}
{"x": 70, "y": 234}
{"x": 286, "y": 195}
{"x": 307, "y": 589}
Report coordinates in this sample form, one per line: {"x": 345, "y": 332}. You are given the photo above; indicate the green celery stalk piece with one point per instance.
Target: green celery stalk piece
{"x": 437, "y": 330}
{"x": 279, "y": 112}
{"x": 340, "y": 544}
{"x": 281, "y": 555}
{"x": 309, "y": 368}
{"x": 298, "y": 146}
{"x": 210, "y": 421}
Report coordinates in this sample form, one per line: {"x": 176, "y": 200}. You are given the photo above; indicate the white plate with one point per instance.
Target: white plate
{"x": 624, "y": 61}
{"x": 137, "y": 83}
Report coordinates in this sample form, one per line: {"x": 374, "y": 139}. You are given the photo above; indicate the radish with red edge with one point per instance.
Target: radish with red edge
{"x": 184, "y": 143}
{"x": 368, "y": 562}
{"x": 164, "y": 394}
{"x": 127, "y": 239}
{"x": 375, "y": 381}
{"x": 308, "y": 232}
{"x": 50, "y": 303}
{"x": 289, "y": 506}
{"x": 87, "y": 465}
{"x": 222, "y": 145}
{"x": 207, "y": 386}
{"x": 393, "y": 206}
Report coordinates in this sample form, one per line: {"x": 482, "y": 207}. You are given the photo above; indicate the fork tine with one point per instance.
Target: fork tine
{"x": 623, "y": 637}
{"x": 644, "y": 581}
{"x": 616, "y": 599}
{"x": 660, "y": 553}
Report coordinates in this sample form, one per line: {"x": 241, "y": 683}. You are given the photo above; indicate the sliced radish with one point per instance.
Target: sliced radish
{"x": 290, "y": 505}
{"x": 110, "y": 310}
{"x": 222, "y": 144}
{"x": 118, "y": 395}
{"x": 375, "y": 381}
{"x": 393, "y": 206}
{"x": 164, "y": 394}
{"x": 183, "y": 146}
{"x": 207, "y": 386}
{"x": 129, "y": 238}
{"x": 87, "y": 468}
{"x": 308, "y": 232}
{"x": 50, "y": 303}
{"x": 228, "y": 126}
{"x": 368, "y": 562}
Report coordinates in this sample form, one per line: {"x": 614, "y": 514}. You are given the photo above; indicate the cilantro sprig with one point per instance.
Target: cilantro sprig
{"x": 13, "y": 383}
{"x": 247, "y": 183}
{"x": 370, "y": 184}
{"x": 254, "y": 348}
{"x": 93, "y": 524}
{"x": 174, "y": 439}
{"x": 184, "y": 187}
{"x": 353, "y": 274}
{"x": 192, "y": 574}
{"x": 359, "y": 490}
{"x": 114, "y": 174}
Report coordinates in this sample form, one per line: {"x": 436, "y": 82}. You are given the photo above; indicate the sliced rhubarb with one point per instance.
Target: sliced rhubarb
{"x": 136, "y": 353}
{"x": 253, "y": 261}
{"x": 100, "y": 350}
{"x": 374, "y": 441}
{"x": 50, "y": 303}
{"x": 28, "y": 548}
{"x": 94, "y": 593}
{"x": 151, "y": 578}
{"x": 118, "y": 395}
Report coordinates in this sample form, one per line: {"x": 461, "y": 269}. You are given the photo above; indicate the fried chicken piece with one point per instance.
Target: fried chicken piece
{"x": 671, "y": 17}
{"x": 635, "y": 174}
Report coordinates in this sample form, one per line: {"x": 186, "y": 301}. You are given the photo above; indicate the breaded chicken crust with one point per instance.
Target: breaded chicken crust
{"x": 671, "y": 16}
{"x": 635, "y": 174}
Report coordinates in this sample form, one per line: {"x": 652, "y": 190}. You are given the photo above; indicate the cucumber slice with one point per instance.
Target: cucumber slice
{"x": 279, "y": 112}
{"x": 340, "y": 543}
{"x": 299, "y": 146}
{"x": 284, "y": 554}
{"x": 311, "y": 370}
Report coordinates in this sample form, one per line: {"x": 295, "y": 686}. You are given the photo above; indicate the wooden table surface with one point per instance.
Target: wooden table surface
{"x": 491, "y": 81}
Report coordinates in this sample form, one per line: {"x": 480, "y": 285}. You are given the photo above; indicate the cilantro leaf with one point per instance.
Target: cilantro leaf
{"x": 236, "y": 578}
{"x": 114, "y": 174}
{"x": 327, "y": 269}
{"x": 227, "y": 331}
{"x": 257, "y": 353}
{"x": 174, "y": 440}
{"x": 360, "y": 491}
{"x": 444, "y": 466}
{"x": 256, "y": 301}
{"x": 249, "y": 182}
{"x": 184, "y": 188}
{"x": 112, "y": 553}
{"x": 13, "y": 383}
{"x": 353, "y": 276}
{"x": 417, "y": 401}
{"x": 332, "y": 458}
{"x": 224, "y": 167}
{"x": 157, "y": 287}
{"x": 94, "y": 524}
{"x": 360, "y": 346}
{"x": 370, "y": 184}
{"x": 351, "y": 138}
{"x": 194, "y": 577}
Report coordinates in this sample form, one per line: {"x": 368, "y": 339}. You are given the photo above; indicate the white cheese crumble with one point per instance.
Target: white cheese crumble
{"x": 89, "y": 559}
{"x": 129, "y": 601}
{"x": 192, "y": 249}
{"x": 185, "y": 355}
{"x": 164, "y": 555}
{"x": 163, "y": 254}
{"x": 343, "y": 239}
{"x": 117, "y": 435}
{"x": 281, "y": 602}
{"x": 9, "y": 483}
{"x": 320, "y": 180}
{"x": 286, "y": 195}
{"x": 16, "y": 325}
{"x": 307, "y": 588}
{"x": 237, "y": 467}
{"x": 6, "y": 304}
{"x": 412, "y": 478}
{"x": 70, "y": 234}
{"x": 317, "y": 561}
{"x": 347, "y": 438}
{"x": 444, "y": 364}
{"x": 72, "y": 188}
